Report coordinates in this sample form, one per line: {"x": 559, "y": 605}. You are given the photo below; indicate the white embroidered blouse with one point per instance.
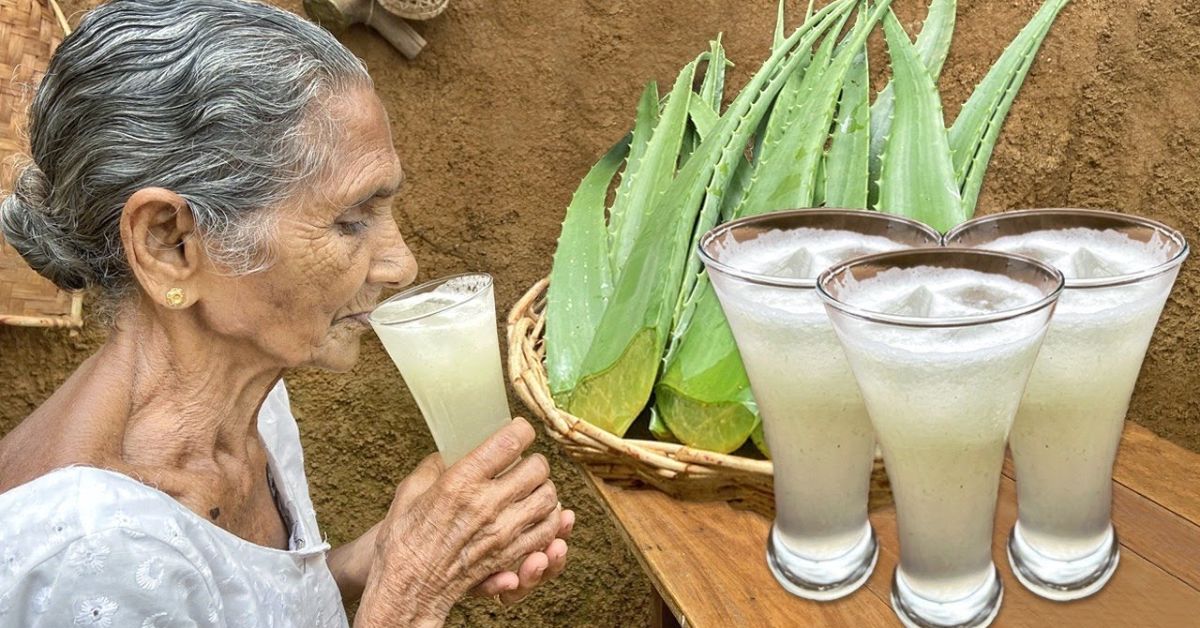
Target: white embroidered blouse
{"x": 86, "y": 547}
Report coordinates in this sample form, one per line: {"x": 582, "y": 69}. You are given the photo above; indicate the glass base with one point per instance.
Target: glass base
{"x": 823, "y": 580}
{"x": 977, "y": 609}
{"x": 1063, "y": 580}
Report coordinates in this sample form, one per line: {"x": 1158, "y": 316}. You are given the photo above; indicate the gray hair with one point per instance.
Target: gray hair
{"x": 211, "y": 99}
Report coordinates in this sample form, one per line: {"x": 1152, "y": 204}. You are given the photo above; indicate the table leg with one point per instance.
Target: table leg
{"x": 660, "y": 614}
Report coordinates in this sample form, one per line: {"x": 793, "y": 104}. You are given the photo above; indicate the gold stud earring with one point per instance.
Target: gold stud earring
{"x": 175, "y": 297}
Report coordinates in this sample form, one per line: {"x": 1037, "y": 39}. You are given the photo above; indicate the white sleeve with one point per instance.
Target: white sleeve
{"x": 115, "y": 578}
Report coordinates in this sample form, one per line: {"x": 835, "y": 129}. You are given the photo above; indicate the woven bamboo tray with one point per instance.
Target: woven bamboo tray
{"x": 677, "y": 470}
{"x": 29, "y": 32}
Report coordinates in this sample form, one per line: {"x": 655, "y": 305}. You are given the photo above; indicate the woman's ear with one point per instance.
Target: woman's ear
{"x": 158, "y": 232}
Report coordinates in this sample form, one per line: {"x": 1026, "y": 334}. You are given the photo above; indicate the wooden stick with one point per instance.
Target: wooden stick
{"x": 62, "y": 19}
{"x": 394, "y": 29}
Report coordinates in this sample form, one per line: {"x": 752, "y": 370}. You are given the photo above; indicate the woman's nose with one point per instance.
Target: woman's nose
{"x": 394, "y": 265}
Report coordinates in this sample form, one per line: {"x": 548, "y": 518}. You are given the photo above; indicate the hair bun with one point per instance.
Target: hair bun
{"x": 27, "y": 224}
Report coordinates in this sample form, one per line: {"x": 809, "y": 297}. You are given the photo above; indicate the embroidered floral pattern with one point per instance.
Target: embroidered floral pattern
{"x": 41, "y": 600}
{"x": 96, "y": 612}
{"x": 88, "y": 556}
{"x": 149, "y": 574}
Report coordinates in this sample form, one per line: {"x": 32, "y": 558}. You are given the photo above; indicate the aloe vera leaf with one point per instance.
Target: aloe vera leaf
{"x": 621, "y": 365}
{"x": 917, "y": 171}
{"x": 808, "y": 13}
{"x": 656, "y": 167}
{"x": 785, "y": 176}
{"x": 818, "y": 195}
{"x": 782, "y": 109}
{"x": 644, "y": 123}
{"x": 659, "y": 429}
{"x": 703, "y": 117}
{"x": 779, "y": 26}
{"x": 979, "y": 122}
{"x": 703, "y": 395}
{"x": 846, "y": 165}
{"x": 580, "y": 279}
{"x": 712, "y": 91}
{"x": 800, "y": 85}
{"x": 933, "y": 45}
{"x": 690, "y": 140}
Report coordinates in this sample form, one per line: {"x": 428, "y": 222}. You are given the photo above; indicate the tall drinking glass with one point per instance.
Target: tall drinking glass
{"x": 1119, "y": 271}
{"x": 763, "y": 269}
{"x": 941, "y": 343}
{"x": 442, "y": 337}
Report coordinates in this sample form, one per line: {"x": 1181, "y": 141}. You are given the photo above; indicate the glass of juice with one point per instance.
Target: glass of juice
{"x": 764, "y": 269}
{"x": 1119, "y": 270}
{"x": 941, "y": 342}
{"x": 442, "y": 336}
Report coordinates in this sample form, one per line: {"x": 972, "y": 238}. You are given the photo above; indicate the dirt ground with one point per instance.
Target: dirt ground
{"x": 512, "y": 102}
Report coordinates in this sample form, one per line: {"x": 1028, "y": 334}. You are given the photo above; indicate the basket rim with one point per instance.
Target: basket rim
{"x": 527, "y": 374}
{"x": 412, "y": 11}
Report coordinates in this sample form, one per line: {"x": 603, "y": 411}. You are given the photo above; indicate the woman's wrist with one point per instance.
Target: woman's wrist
{"x": 351, "y": 565}
{"x": 387, "y": 606}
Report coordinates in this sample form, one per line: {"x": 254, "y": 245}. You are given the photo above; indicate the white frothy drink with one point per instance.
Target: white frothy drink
{"x": 444, "y": 343}
{"x": 1065, "y": 438}
{"x": 942, "y": 401}
{"x": 814, "y": 420}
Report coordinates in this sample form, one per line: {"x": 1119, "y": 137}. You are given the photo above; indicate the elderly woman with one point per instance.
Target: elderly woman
{"x": 222, "y": 174}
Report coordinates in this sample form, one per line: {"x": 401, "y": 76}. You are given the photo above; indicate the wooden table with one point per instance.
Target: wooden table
{"x": 707, "y": 563}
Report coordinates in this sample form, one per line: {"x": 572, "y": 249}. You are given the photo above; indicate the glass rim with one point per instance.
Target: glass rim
{"x": 1125, "y": 279}
{"x": 772, "y": 281}
{"x": 424, "y": 287}
{"x": 900, "y": 320}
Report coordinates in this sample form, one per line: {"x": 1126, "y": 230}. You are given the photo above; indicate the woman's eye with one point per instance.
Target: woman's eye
{"x": 353, "y": 227}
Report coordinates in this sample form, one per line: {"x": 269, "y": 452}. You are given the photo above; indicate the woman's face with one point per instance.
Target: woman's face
{"x": 336, "y": 247}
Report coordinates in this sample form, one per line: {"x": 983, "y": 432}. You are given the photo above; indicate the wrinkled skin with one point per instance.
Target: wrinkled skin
{"x": 172, "y": 397}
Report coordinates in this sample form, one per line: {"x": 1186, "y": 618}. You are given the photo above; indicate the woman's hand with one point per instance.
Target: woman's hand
{"x": 351, "y": 562}
{"x": 447, "y": 532}
{"x": 538, "y": 568}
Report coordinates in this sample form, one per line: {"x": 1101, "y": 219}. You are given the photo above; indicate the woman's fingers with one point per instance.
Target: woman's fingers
{"x": 567, "y": 525}
{"x": 530, "y": 573}
{"x": 557, "y": 553}
{"x": 537, "y": 536}
{"x": 511, "y": 536}
{"x": 497, "y": 584}
{"x": 498, "y": 452}
{"x": 522, "y": 480}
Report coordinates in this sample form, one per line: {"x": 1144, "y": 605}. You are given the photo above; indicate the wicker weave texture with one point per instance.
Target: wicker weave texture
{"x": 677, "y": 470}
{"x": 28, "y": 35}
{"x": 415, "y": 9}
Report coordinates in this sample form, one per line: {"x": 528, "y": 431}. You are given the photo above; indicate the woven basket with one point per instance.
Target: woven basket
{"x": 29, "y": 32}
{"x": 679, "y": 471}
{"x": 415, "y": 9}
